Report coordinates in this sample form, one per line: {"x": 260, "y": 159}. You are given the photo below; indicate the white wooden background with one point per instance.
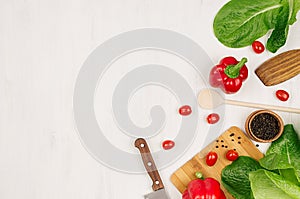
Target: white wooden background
{"x": 43, "y": 44}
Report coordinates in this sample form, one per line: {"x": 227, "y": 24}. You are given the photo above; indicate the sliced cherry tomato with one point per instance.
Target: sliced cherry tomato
{"x": 211, "y": 158}
{"x": 282, "y": 95}
{"x": 258, "y": 47}
{"x": 185, "y": 110}
{"x": 232, "y": 155}
{"x": 168, "y": 144}
{"x": 212, "y": 118}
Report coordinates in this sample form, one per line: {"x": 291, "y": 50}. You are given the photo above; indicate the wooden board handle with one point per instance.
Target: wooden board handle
{"x": 149, "y": 164}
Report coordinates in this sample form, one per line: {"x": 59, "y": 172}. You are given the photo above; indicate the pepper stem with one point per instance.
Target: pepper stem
{"x": 199, "y": 175}
{"x": 233, "y": 71}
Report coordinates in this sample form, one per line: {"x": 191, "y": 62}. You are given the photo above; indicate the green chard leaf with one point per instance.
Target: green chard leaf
{"x": 269, "y": 185}
{"x": 284, "y": 154}
{"x": 235, "y": 177}
{"x": 240, "y": 22}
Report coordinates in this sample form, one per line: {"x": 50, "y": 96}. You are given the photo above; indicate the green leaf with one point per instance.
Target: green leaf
{"x": 284, "y": 153}
{"x": 235, "y": 177}
{"x": 279, "y": 35}
{"x": 294, "y": 8}
{"x": 269, "y": 185}
{"x": 240, "y": 22}
{"x": 289, "y": 174}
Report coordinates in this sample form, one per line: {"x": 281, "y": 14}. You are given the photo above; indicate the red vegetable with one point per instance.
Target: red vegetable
{"x": 229, "y": 74}
{"x": 282, "y": 95}
{"x": 211, "y": 158}
{"x": 204, "y": 189}
{"x": 212, "y": 118}
{"x": 258, "y": 47}
{"x": 168, "y": 144}
{"x": 232, "y": 155}
{"x": 186, "y": 195}
{"x": 185, "y": 110}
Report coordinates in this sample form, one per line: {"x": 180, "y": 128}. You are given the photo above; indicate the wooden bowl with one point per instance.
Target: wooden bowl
{"x": 250, "y": 118}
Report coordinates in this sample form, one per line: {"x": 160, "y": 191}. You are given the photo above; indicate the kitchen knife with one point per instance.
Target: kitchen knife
{"x": 157, "y": 186}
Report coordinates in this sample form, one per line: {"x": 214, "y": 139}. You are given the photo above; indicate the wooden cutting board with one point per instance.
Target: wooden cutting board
{"x": 280, "y": 68}
{"x": 233, "y": 138}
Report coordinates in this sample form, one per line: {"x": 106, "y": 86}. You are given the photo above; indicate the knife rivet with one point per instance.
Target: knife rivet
{"x": 149, "y": 164}
{"x": 157, "y": 182}
{"x": 142, "y": 145}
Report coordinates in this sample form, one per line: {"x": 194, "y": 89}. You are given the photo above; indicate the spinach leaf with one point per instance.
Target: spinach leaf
{"x": 239, "y": 22}
{"x": 235, "y": 177}
{"x": 269, "y": 185}
{"x": 279, "y": 34}
{"x": 284, "y": 153}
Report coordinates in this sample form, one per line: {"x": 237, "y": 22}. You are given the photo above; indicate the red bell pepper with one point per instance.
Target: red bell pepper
{"x": 229, "y": 74}
{"x": 186, "y": 195}
{"x": 204, "y": 189}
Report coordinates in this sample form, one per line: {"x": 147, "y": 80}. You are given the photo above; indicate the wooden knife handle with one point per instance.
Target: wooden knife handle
{"x": 149, "y": 164}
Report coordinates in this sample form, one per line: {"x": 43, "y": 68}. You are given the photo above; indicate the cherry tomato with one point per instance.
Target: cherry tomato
{"x": 282, "y": 95}
{"x": 185, "y": 110}
{"x": 258, "y": 47}
{"x": 232, "y": 155}
{"x": 168, "y": 144}
{"x": 211, "y": 158}
{"x": 212, "y": 118}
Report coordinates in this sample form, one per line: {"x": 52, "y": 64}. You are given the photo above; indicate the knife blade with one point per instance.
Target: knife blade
{"x": 157, "y": 186}
{"x": 160, "y": 194}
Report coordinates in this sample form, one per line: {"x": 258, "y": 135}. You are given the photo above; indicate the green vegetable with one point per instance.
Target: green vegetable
{"x": 284, "y": 153}
{"x": 275, "y": 176}
{"x": 294, "y": 8}
{"x": 269, "y": 185}
{"x": 240, "y": 22}
{"x": 290, "y": 175}
{"x": 235, "y": 177}
{"x": 279, "y": 34}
